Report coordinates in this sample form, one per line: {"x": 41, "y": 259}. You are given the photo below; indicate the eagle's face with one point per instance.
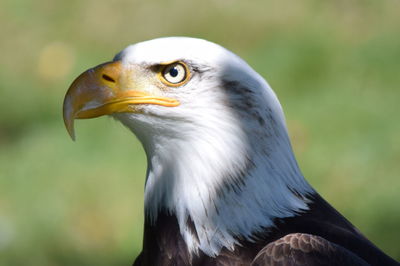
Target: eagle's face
{"x": 167, "y": 85}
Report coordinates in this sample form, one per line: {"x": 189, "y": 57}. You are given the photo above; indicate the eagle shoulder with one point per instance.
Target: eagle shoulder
{"x": 305, "y": 249}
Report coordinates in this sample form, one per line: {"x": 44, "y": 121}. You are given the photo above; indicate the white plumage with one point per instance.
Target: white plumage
{"x": 223, "y": 156}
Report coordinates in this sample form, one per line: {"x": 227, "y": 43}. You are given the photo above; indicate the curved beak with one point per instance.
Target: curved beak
{"x": 106, "y": 89}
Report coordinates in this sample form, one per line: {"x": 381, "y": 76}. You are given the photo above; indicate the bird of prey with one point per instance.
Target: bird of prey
{"x": 223, "y": 186}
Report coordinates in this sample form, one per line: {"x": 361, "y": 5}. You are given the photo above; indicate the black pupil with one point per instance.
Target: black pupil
{"x": 173, "y": 72}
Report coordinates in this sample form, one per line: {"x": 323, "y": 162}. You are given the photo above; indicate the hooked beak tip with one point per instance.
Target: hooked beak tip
{"x": 69, "y": 118}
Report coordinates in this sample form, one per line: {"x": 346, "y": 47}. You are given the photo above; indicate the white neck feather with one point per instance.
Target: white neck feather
{"x": 229, "y": 172}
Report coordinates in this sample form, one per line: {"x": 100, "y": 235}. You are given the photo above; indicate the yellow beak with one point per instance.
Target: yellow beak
{"x": 104, "y": 90}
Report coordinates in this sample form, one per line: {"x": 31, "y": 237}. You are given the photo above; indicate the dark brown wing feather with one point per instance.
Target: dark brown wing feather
{"x": 305, "y": 249}
{"x": 319, "y": 236}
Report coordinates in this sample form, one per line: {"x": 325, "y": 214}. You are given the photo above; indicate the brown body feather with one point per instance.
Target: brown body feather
{"x": 319, "y": 236}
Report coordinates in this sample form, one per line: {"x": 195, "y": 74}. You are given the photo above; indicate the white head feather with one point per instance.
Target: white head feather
{"x": 223, "y": 156}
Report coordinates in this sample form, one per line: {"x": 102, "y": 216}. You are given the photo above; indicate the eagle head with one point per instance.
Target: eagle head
{"x": 213, "y": 131}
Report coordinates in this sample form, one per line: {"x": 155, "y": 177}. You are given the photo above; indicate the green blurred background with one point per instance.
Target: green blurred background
{"x": 334, "y": 65}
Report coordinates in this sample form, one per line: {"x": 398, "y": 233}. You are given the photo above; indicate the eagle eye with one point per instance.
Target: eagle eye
{"x": 175, "y": 74}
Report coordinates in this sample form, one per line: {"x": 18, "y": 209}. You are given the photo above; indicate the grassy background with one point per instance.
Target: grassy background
{"x": 334, "y": 65}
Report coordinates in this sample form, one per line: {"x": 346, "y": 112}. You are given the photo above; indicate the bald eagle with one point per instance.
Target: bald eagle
{"x": 223, "y": 186}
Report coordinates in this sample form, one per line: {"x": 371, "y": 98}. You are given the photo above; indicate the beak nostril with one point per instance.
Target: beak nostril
{"x": 108, "y": 78}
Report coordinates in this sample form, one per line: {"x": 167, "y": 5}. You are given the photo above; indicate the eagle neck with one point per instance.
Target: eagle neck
{"x": 222, "y": 189}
